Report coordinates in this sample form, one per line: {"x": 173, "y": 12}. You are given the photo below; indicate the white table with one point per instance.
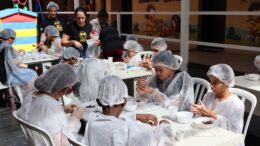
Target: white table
{"x": 44, "y": 59}
{"x": 131, "y": 74}
{"x": 193, "y": 137}
{"x": 130, "y": 77}
{"x": 251, "y": 86}
{"x": 47, "y": 58}
{"x": 241, "y": 81}
{"x": 3, "y": 86}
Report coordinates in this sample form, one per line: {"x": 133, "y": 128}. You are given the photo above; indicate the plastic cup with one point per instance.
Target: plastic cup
{"x": 173, "y": 112}
{"x": 180, "y": 135}
{"x": 110, "y": 59}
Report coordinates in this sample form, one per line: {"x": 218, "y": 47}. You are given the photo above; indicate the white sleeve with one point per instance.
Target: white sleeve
{"x": 165, "y": 135}
{"x": 120, "y": 137}
{"x": 180, "y": 92}
{"x": 234, "y": 122}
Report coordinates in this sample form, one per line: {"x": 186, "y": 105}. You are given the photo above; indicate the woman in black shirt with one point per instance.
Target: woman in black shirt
{"x": 77, "y": 32}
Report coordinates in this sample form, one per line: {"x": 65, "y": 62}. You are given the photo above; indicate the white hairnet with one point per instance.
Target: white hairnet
{"x": 70, "y": 52}
{"x": 165, "y": 59}
{"x": 159, "y": 44}
{"x": 93, "y": 51}
{"x": 131, "y": 37}
{"x": 7, "y": 33}
{"x": 51, "y": 31}
{"x": 224, "y": 73}
{"x": 52, "y": 4}
{"x": 56, "y": 78}
{"x": 132, "y": 46}
{"x": 257, "y": 62}
{"x": 112, "y": 91}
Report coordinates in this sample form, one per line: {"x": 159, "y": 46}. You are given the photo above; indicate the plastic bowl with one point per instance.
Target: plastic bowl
{"x": 119, "y": 66}
{"x": 184, "y": 117}
{"x": 141, "y": 101}
{"x": 253, "y": 77}
{"x": 204, "y": 122}
{"x": 131, "y": 106}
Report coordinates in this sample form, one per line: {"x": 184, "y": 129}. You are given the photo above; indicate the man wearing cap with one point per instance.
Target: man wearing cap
{"x": 52, "y": 19}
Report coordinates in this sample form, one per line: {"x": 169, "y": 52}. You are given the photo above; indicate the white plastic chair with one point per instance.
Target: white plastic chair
{"x": 72, "y": 140}
{"x": 145, "y": 53}
{"x": 245, "y": 95}
{"x": 179, "y": 58}
{"x": 29, "y": 128}
{"x": 201, "y": 87}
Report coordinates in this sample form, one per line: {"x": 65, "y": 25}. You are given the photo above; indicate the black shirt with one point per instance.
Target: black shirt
{"x": 110, "y": 39}
{"x": 59, "y": 23}
{"x": 80, "y": 34}
{"x": 3, "y": 76}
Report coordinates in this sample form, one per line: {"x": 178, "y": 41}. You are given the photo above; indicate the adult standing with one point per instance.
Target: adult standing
{"x": 110, "y": 40}
{"x": 77, "y": 32}
{"x": 52, "y": 19}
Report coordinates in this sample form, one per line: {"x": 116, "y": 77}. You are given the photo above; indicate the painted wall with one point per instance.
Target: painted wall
{"x": 161, "y": 25}
{"x": 243, "y": 30}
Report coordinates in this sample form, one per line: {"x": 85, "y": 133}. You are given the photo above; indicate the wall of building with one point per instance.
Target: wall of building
{"x": 160, "y": 25}
{"x": 243, "y": 30}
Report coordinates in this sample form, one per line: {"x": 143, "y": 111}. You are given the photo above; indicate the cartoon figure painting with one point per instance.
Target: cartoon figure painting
{"x": 254, "y": 25}
{"x": 150, "y": 26}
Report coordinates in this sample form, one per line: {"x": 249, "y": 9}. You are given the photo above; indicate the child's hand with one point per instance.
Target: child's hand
{"x": 147, "y": 118}
{"x": 126, "y": 60}
{"x": 141, "y": 83}
{"x": 146, "y": 64}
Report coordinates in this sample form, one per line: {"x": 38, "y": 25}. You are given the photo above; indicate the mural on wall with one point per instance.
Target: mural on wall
{"x": 166, "y": 26}
{"x": 254, "y": 25}
{"x": 247, "y": 34}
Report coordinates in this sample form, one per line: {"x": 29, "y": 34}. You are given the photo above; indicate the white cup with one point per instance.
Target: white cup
{"x": 173, "y": 112}
{"x": 110, "y": 59}
{"x": 179, "y": 135}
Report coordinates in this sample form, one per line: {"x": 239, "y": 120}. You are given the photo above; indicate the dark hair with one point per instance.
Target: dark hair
{"x": 103, "y": 13}
{"x": 148, "y": 9}
{"x": 177, "y": 21}
{"x": 81, "y": 9}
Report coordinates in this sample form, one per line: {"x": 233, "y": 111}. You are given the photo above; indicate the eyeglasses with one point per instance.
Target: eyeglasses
{"x": 74, "y": 59}
{"x": 12, "y": 38}
{"x": 215, "y": 83}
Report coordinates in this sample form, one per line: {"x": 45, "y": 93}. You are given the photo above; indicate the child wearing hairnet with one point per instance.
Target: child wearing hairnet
{"x": 157, "y": 44}
{"x": 52, "y": 43}
{"x": 131, "y": 57}
{"x": 70, "y": 55}
{"x": 167, "y": 86}
{"x": 108, "y": 129}
{"x": 42, "y": 108}
{"x": 90, "y": 73}
{"x": 220, "y": 104}
{"x": 13, "y": 71}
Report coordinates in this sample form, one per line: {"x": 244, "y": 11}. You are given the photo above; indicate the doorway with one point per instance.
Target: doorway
{"x": 211, "y": 27}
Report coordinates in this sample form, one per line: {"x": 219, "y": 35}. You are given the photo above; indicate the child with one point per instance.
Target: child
{"x": 220, "y": 104}
{"x": 108, "y": 129}
{"x": 131, "y": 57}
